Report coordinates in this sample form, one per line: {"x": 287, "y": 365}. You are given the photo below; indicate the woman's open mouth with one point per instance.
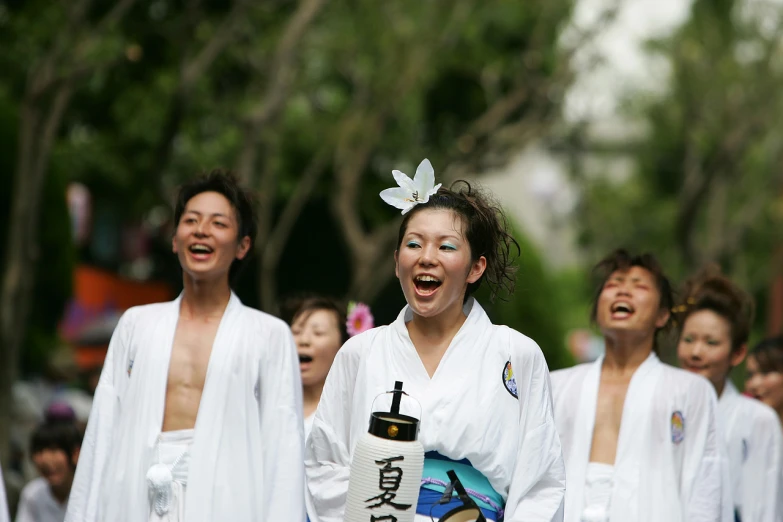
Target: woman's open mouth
{"x": 200, "y": 252}
{"x": 426, "y": 285}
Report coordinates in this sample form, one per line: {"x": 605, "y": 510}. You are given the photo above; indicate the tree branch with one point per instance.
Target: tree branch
{"x": 281, "y": 74}
{"x": 282, "y": 70}
{"x": 272, "y": 249}
{"x": 730, "y": 240}
{"x": 116, "y": 14}
{"x": 225, "y": 34}
{"x": 190, "y": 71}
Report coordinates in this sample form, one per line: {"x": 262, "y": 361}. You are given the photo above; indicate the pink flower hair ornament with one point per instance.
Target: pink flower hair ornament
{"x": 359, "y": 318}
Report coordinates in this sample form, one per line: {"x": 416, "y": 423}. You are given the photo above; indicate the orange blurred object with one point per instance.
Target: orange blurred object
{"x": 100, "y": 297}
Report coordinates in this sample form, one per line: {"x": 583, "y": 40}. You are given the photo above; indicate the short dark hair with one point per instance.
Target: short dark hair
{"x": 621, "y": 259}
{"x": 711, "y": 290}
{"x": 769, "y": 354}
{"x": 56, "y": 434}
{"x": 295, "y": 307}
{"x": 241, "y": 199}
{"x": 486, "y": 229}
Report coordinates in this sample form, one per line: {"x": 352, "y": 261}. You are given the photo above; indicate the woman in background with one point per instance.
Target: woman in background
{"x": 716, "y": 317}
{"x": 764, "y": 379}
{"x": 318, "y": 326}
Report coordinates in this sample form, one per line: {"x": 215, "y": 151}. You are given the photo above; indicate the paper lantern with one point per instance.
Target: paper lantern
{"x": 387, "y": 466}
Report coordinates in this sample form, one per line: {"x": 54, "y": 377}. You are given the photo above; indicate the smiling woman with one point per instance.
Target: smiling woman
{"x": 472, "y": 378}
{"x": 716, "y": 316}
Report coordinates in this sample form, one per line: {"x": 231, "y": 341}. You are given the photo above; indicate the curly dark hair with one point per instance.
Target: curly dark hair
{"x": 711, "y": 290}
{"x": 225, "y": 183}
{"x": 485, "y": 228}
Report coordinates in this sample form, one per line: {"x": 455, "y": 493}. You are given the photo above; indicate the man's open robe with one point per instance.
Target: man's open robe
{"x": 670, "y": 464}
{"x": 470, "y": 410}
{"x": 755, "y": 448}
{"x": 247, "y": 452}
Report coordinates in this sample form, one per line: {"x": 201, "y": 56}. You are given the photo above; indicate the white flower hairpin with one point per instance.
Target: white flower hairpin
{"x": 411, "y": 192}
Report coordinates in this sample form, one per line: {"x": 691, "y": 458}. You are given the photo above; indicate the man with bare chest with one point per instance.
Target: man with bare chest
{"x": 639, "y": 437}
{"x": 198, "y": 412}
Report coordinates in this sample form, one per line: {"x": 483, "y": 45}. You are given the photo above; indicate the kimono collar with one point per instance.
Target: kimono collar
{"x": 472, "y": 310}
{"x": 476, "y": 319}
{"x": 648, "y": 364}
{"x": 729, "y": 392}
{"x": 233, "y": 301}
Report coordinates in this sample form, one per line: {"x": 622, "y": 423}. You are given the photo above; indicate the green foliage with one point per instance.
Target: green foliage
{"x": 402, "y": 80}
{"x": 706, "y": 181}
{"x": 57, "y": 253}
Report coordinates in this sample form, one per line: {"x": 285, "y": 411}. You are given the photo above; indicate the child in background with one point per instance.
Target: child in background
{"x": 54, "y": 447}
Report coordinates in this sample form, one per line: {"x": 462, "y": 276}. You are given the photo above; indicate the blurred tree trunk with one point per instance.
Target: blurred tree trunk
{"x": 38, "y": 126}
{"x": 194, "y": 63}
{"x": 258, "y": 137}
{"x": 775, "y": 313}
{"x": 511, "y": 119}
{"x": 272, "y": 249}
{"x": 48, "y": 92}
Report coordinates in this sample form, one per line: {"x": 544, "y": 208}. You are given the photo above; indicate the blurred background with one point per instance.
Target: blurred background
{"x": 650, "y": 124}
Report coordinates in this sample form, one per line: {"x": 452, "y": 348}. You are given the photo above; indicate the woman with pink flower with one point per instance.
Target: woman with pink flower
{"x": 320, "y": 327}
{"x": 486, "y": 407}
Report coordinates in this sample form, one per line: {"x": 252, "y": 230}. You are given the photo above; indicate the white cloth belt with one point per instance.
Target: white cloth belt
{"x": 167, "y": 478}
{"x": 599, "y": 482}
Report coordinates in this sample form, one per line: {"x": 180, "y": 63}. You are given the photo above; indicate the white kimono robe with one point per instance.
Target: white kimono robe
{"x": 4, "y": 515}
{"x": 670, "y": 465}
{"x": 247, "y": 452}
{"x": 467, "y": 412}
{"x": 755, "y": 447}
{"x": 37, "y": 504}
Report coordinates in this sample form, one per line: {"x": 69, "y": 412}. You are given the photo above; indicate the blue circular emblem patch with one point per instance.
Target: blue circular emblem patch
{"x": 678, "y": 427}
{"x": 509, "y": 381}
